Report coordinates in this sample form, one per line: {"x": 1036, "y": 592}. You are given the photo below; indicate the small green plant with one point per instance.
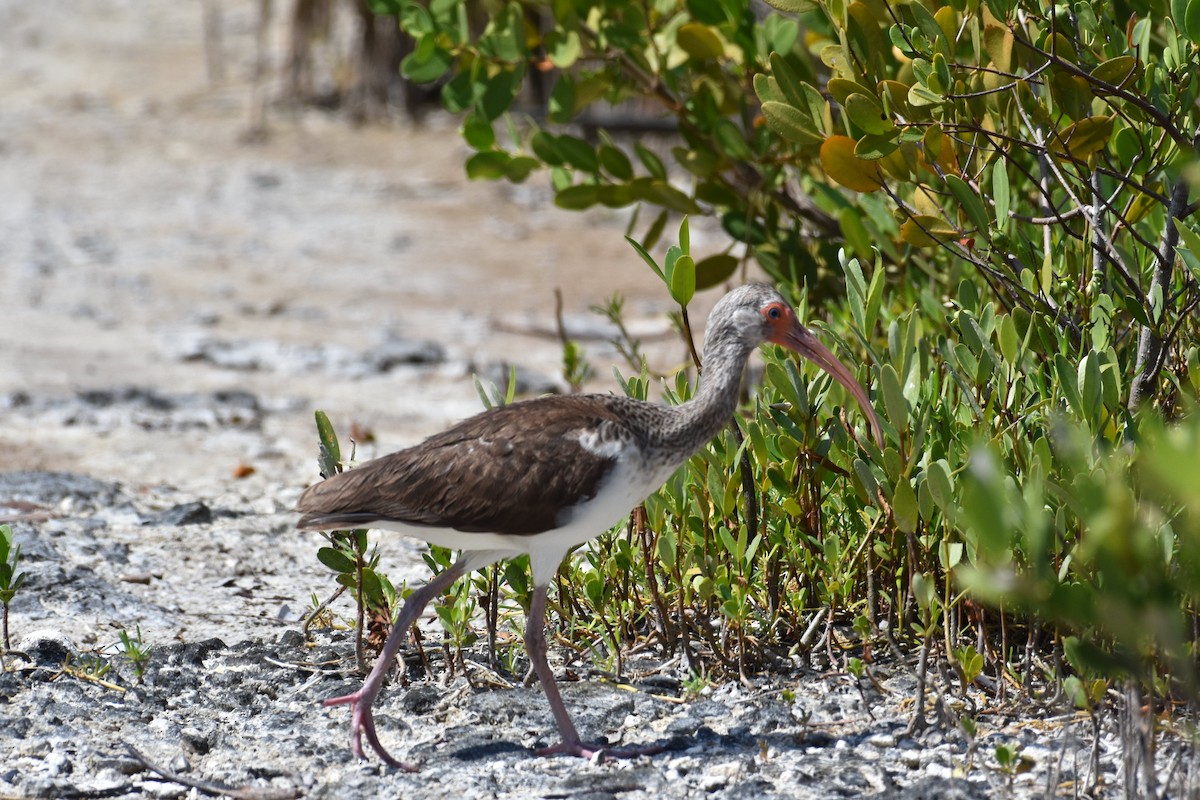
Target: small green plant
{"x": 970, "y": 664}
{"x": 575, "y": 367}
{"x": 491, "y": 395}
{"x": 90, "y": 667}
{"x": 694, "y": 685}
{"x": 1012, "y": 762}
{"x": 456, "y": 612}
{"x": 10, "y": 580}
{"x": 629, "y": 348}
{"x": 318, "y": 613}
{"x": 136, "y": 651}
{"x": 347, "y": 555}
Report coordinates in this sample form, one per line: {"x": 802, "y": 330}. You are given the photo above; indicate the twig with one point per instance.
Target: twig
{"x": 1150, "y": 345}
{"x": 213, "y": 787}
{"x": 316, "y": 612}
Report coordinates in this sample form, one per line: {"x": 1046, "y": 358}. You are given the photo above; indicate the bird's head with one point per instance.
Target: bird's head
{"x": 755, "y": 314}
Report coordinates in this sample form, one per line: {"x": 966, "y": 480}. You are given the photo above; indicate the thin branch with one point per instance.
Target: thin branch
{"x": 1162, "y": 120}
{"x": 1150, "y": 346}
{"x": 213, "y": 787}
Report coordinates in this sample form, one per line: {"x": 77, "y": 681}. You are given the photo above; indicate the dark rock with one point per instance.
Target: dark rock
{"x": 51, "y": 488}
{"x": 197, "y": 742}
{"x": 195, "y": 653}
{"x": 421, "y": 699}
{"x": 528, "y": 382}
{"x": 47, "y": 648}
{"x": 291, "y": 638}
{"x": 397, "y": 352}
{"x": 196, "y": 513}
{"x": 686, "y": 725}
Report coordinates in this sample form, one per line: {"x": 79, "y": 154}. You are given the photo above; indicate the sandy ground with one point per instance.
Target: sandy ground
{"x": 135, "y": 222}
{"x": 177, "y": 302}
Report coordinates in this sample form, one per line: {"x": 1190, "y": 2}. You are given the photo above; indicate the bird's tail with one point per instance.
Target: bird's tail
{"x": 335, "y": 521}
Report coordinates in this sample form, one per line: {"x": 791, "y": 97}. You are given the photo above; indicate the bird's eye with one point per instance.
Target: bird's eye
{"x": 774, "y": 313}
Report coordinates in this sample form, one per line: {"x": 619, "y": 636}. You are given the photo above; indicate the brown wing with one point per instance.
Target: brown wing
{"x": 510, "y": 470}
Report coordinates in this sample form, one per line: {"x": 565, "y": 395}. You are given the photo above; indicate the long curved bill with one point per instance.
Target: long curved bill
{"x": 799, "y": 338}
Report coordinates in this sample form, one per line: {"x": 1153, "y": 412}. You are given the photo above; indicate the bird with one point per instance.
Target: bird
{"x": 542, "y": 476}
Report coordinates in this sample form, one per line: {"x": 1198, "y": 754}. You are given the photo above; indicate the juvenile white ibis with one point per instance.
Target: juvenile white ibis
{"x": 545, "y": 475}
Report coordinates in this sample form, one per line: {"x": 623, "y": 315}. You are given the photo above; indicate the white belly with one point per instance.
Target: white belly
{"x": 625, "y": 488}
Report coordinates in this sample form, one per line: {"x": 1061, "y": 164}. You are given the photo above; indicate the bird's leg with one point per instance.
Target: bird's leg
{"x": 571, "y": 744}
{"x": 361, "y": 721}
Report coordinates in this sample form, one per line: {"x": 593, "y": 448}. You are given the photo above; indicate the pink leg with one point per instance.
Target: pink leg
{"x": 571, "y": 744}
{"x": 361, "y": 721}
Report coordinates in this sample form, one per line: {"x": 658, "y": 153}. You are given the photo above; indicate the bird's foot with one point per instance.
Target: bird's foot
{"x": 363, "y": 723}
{"x": 581, "y": 750}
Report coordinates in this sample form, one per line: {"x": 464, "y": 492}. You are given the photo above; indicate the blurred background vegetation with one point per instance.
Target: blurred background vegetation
{"x": 988, "y": 207}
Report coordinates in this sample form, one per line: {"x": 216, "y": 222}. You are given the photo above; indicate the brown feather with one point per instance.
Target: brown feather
{"x": 510, "y": 470}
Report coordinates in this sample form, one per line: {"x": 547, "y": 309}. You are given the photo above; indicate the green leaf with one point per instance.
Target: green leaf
{"x": 578, "y": 197}
{"x": 1068, "y": 383}
{"x": 545, "y": 146}
{"x": 867, "y": 113}
{"x": 664, "y": 194}
{"x": 650, "y": 161}
{"x": 641, "y": 251}
{"x": 336, "y": 560}
{"x": 1000, "y": 192}
{"x": 873, "y": 147}
{"x": 520, "y": 167}
{"x": 969, "y": 201}
{"x": 893, "y": 397}
{"x": 710, "y": 12}
{"x": 788, "y": 81}
{"x": 615, "y": 162}
{"x": 715, "y": 270}
{"x": 329, "y": 457}
{"x": 1116, "y": 71}
{"x": 927, "y": 231}
{"x": 372, "y": 588}
{"x": 929, "y": 26}
{"x": 685, "y": 237}
{"x": 1090, "y": 387}
{"x": 489, "y": 165}
{"x": 1191, "y": 21}
{"x": 1191, "y": 239}
{"x": 794, "y": 6}
{"x": 732, "y": 140}
{"x": 683, "y": 280}
{"x": 1006, "y": 334}
{"x": 937, "y": 478}
{"x": 561, "y": 108}
{"x": 700, "y": 41}
{"x": 415, "y": 19}
{"x": 427, "y": 62}
{"x": 904, "y": 506}
{"x": 655, "y": 231}
{"x": 478, "y": 133}
{"x": 499, "y": 93}
{"x": 921, "y": 95}
{"x": 842, "y": 165}
{"x": 461, "y": 92}
{"x": 767, "y": 89}
{"x": 790, "y": 123}
{"x": 1085, "y": 137}
{"x": 563, "y": 48}
{"x": 578, "y": 153}
{"x": 998, "y": 40}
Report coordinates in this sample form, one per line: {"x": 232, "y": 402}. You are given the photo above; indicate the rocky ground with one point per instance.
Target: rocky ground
{"x": 178, "y": 299}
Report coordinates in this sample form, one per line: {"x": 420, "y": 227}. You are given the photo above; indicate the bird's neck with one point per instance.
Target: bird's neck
{"x": 703, "y": 416}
